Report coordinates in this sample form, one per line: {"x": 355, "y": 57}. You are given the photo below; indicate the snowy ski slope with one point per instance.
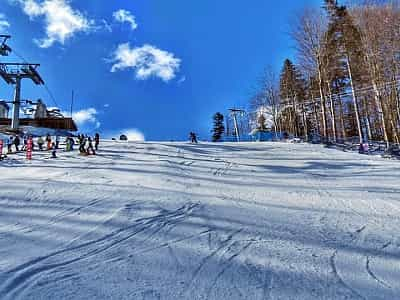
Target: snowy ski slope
{"x": 208, "y": 221}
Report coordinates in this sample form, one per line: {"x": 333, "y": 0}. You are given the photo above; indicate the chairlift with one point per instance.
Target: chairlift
{"x": 4, "y": 48}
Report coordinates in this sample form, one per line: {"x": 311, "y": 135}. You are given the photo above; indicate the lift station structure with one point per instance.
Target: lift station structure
{"x": 13, "y": 74}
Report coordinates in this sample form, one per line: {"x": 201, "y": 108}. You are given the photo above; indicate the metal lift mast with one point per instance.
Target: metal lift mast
{"x": 13, "y": 73}
{"x": 234, "y": 112}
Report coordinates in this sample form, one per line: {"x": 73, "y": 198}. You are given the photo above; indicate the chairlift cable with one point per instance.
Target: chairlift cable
{"x": 45, "y": 86}
{"x": 51, "y": 95}
{"x": 20, "y": 56}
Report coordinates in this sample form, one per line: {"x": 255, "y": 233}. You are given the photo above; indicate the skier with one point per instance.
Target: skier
{"x": 90, "y": 146}
{"x": 53, "y": 150}
{"x": 57, "y": 141}
{"x": 10, "y": 142}
{"x": 1, "y": 150}
{"x": 82, "y": 143}
{"x": 17, "y": 142}
{"x": 67, "y": 144}
{"x": 71, "y": 143}
{"x": 40, "y": 143}
{"x": 79, "y": 140}
{"x": 25, "y": 143}
{"x": 48, "y": 141}
{"x": 96, "y": 141}
{"x": 193, "y": 138}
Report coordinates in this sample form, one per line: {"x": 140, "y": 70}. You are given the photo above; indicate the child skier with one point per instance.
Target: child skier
{"x": 48, "y": 140}
{"x": 96, "y": 141}
{"x": 57, "y": 141}
{"x": 40, "y": 143}
{"x": 10, "y": 142}
{"x": 53, "y": 150}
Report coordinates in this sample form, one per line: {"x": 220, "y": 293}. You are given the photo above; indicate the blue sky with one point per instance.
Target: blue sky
{"x": 161, "y": 67}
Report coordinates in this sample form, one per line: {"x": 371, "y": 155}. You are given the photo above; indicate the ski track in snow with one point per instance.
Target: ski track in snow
{"x": 34, "y": 268}
{"x": 207, "y": 221}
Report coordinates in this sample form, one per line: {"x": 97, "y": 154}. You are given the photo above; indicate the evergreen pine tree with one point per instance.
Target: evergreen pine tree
{"x": 292, "y": 94}
{"x": 345, "y": 38}
{"x": 261, "y": 123}
{"x": 219, "y": 128}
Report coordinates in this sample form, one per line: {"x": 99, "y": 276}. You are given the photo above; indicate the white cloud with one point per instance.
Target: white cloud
{"x": 85, "y": 115}
{"x": 62, "y": 21}
{"x": 181, "y": 80}
{"x": 85, "y": 118}
{"x": 147, "y": 61}
{"x": 4, "y": 24}
{"x": 124, "y": 16}
{"x": 133, "y": 134}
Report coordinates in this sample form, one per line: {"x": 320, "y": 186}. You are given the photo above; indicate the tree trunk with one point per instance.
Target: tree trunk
{"x": 397, "y": 105}
{"x": 341, "y": 114}
{"x": 333, "y": 115}
{"x": 322, "y": 99}
{"x": 305, "y": 124}
{"x": 379, "y": 106}
{"x": 296, "y": 124}
{"x": 367, "y": 118}
{"x": 392, "y": 116}
{"x": 317, "y": 121}
{"x": 356, "y": 110}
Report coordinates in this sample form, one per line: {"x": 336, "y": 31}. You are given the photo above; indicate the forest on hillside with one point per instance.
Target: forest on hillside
{"x": 344, "y": 83}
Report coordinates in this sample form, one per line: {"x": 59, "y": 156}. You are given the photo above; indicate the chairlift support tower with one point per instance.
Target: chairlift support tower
{"x": 234, "y": 113}
{"x": 13, "y": 73}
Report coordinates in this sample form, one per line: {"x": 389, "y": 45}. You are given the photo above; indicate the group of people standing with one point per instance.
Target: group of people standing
{"x": 47, "y": 143}
{"x": 50, "y": 144}
{"x": 16, "y": 142}
{"x": 13, "y": 141}
{"x": 86, "y": 144}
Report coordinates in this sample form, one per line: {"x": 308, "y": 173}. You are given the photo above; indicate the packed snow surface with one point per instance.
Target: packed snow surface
{"x": 207, "y": 221}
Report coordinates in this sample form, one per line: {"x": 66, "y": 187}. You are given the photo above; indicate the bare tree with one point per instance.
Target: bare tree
{"x": 267, "y": 96}
{"x": 308, "y": 31}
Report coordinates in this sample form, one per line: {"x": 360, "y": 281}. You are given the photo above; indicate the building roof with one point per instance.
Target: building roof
{"x": 52, "y": 123}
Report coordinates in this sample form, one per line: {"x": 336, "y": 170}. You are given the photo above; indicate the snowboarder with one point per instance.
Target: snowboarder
{"x": 96, "y": 141}
{"x": 40, "y": 143}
